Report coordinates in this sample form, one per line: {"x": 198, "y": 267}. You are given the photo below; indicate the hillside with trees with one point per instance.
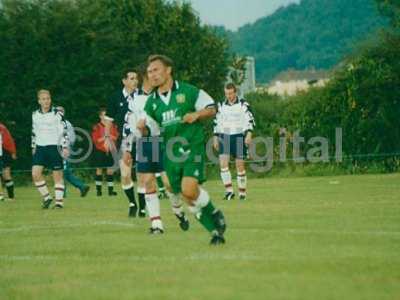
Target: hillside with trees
{"x": 313, "y": 34}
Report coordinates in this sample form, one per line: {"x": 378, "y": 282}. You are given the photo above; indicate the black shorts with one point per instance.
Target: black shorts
{"x": 48, "y": 157}
{"x": 102, "y": 159}
{"x": 7, "y": 159}
{"x": 232, "y": 145}
{"x": 149, "y": 155}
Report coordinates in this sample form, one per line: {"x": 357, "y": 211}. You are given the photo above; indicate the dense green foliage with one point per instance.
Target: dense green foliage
{"x": 79, "y": 49}
{"x": 312, "y": 34}
{"x": 391, "y": 8}
{"x": 362, "y": 98}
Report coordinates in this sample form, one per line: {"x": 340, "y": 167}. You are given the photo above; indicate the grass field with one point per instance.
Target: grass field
{"x": 301, "y": 238}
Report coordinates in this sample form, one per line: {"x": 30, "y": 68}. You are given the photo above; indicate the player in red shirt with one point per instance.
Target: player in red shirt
{"x": 9, "y": 155}
{"x": 102, "y": 154}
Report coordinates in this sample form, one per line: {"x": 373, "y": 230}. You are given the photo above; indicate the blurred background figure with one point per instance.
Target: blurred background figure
{"x": 9, "y": 152}
{"x": 68, "y": 174}
{"x": 102, "y": 157}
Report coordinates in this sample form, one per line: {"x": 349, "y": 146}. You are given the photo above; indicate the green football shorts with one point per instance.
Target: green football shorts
{"x": 192, "y": 166}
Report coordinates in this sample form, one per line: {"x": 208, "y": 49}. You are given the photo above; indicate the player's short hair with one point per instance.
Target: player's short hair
{"x": 102, "y": 109}
{"x": 165, "y": 60}
{"x": 231, "y": 86}
{"x": 126, "y": 71}
{"x": 42, "y": 91}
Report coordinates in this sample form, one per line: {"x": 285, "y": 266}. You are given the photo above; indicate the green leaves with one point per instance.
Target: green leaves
{"x": 78, "y": 49}
{"x": 362, "y": 98}
{"x": 391, "y": 9}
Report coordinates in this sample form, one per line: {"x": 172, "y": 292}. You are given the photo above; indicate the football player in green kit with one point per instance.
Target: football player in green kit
{"x": 178, "y": 108}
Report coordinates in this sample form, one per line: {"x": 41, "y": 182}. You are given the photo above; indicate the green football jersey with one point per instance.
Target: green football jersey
{"x": 168, "y": 111}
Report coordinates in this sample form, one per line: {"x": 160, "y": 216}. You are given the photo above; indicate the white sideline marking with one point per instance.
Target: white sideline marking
{"x": 379, "y": 232}
{"x": 66, "y": 225}
{"x": 123, "y": 224}
{"x": 26, "y": 257}
{"x": 193, "y": 257}
{"x": 306, "y": 231}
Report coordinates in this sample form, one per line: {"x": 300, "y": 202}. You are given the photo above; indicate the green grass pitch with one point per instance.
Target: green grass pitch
{"x": 301, "y": 238}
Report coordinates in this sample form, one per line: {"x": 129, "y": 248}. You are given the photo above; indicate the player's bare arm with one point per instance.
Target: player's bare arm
{"x": 248, "y": 138}
{"x": 141, "y": 126}
{"x": 205, "y": 113}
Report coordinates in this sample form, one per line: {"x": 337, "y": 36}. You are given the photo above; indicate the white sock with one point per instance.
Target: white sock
{"x": 43, "y": 190}
{"x": 242, "y": 183}
{"x": 201, "y": 202}
{"x": 227, "y": 180}
{"x": 153, "y": 209}
{"x": 176, "y": 203}
{"x": 59, "y": 192}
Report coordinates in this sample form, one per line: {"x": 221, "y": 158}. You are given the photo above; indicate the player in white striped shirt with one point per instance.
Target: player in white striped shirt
{"x": 233, "y": 127}
{"x": 49, "y": 138}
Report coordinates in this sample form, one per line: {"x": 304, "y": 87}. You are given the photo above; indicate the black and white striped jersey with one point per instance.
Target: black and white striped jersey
{"x": 135, "y": 113}
{"x": 49, "y": 128}
{"x": 233, "y": 118}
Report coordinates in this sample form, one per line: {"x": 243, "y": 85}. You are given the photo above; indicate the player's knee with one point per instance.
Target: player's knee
{"x": 224, "y": 164}
{"x": 36, "y": 176}
{"x": 240, "y": 169}
{"x": 150, "y": 186}
{"x": 125, "y": 180}
{"x": 58, "y": 177}
{"x": 6, "y": 173}
{"x": 190, "y": 194}
{"x": 125, "y": 176}
{"x": 125, "y": 170}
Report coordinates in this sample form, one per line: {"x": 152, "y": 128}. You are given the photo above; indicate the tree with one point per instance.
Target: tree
{"x": 391, "y": 9}
{"x": 311, "y": 34}
{"x": 78, "y": 49}
{"x": 237, "y": 70}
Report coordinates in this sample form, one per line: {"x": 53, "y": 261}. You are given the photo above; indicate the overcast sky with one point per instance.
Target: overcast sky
{"x": 235, "y": 13}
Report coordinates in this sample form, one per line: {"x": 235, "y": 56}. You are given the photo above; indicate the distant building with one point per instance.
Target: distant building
{"x": 291, "y": 88}
{"x": 249, "y": 83}
{"x": 291, "y": 82}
